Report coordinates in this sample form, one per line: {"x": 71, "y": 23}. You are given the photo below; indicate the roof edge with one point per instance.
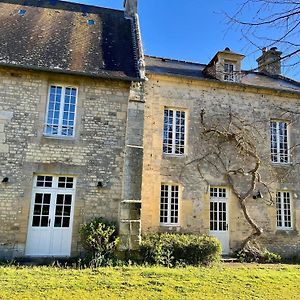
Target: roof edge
{"x": 47, "y": 4}
{"x": 59, "y": 71}
{"x": 236, "y": 84}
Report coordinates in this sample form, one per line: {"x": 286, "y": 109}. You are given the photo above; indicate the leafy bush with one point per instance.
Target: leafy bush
{"x": 169, "y": 249}
{"x": 264, "y": 256}
{"x": 99, "y": 238}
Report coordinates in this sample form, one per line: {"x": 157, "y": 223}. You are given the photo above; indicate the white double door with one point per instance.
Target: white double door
{"x": 51, "y": 219}
{"x": 219, "y": 217}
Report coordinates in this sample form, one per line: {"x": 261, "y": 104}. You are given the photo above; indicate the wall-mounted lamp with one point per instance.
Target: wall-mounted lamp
{"x": 258, "y": 195}
{"x": 5, "y": 180}
{"x": 100, "y": 184}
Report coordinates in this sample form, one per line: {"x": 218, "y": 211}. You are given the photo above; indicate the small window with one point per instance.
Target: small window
{"x": 169, "y": 205}
{"x": 60, "y": 118}
{"x": 284, "y": 210}
{"x": 174, "y": 132}
{"x": 21, "y": 12}
{"x": 90, "y": 22}
{"x": 229, "y": 72}
{"x": 279, "y": 142}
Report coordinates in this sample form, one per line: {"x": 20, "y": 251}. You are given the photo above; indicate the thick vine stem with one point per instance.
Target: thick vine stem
{"x": 237, "y": 137}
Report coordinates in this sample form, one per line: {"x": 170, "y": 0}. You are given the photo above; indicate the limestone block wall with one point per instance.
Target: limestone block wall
{"x": 96, "y": 153}
{"x": 255, "y": 105}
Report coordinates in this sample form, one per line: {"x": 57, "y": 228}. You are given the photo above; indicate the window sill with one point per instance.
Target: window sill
{"x": 281, "y": 165}
{"x": 283, "y": 231}
{"x": 58, "y": 137}
{"x": 169, "y": 225}
{"x": 165, "y": 155}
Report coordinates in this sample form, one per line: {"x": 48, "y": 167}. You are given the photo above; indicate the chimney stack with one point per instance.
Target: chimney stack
{"x": 130, "y": 8}
{"x": 270, "y": 61}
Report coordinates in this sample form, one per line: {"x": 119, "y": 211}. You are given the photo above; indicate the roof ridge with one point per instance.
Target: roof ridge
{"x": 175, "y": 60}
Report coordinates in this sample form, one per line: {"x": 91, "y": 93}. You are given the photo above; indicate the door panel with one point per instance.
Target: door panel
{"x": 219, "y": 218}
{"x": 51, "y": 218}
{"x": 38, "y": 239}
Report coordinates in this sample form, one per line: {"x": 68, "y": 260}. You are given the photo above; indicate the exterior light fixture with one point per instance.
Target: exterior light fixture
{"x": 258, "y": 195}
{"x": 5, "y": 180}
{"x": 100, "y": 184}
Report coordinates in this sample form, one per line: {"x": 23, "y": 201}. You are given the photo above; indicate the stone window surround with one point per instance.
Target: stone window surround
{"x": 63, "y": 86}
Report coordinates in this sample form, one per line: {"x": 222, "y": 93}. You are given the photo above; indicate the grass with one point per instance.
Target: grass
{"x": 221, "y": 282}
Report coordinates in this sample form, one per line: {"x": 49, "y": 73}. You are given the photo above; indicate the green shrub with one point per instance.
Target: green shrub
{"x": 263, "y": 256}
{"x": 169, "y": 249}
{"x": 99, "y": 238}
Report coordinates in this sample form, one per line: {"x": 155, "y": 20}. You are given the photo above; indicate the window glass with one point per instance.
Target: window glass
{"x": 283, "y": 208}
{"x": 169, "y": 205}
{"x": 174, "y": 132}
{"x": 60, "y": 118}
{"x": 279, "y": 142}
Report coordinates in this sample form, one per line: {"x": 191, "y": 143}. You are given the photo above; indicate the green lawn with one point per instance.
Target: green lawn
{"x": 222, "y": 282}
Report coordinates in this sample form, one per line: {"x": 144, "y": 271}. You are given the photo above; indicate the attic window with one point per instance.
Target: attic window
{"x": 90, "y": 22}
{"x": 21, "y": 12}
{"x": 229, "y": 72}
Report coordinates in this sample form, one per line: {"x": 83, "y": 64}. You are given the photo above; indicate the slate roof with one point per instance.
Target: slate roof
{"x": 54, "y": 36}
{"x": 177, "y": 68}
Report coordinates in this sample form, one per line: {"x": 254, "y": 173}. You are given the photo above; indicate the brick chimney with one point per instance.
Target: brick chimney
{"x": 270, "y": 61}
{"x": 130, "y": 8}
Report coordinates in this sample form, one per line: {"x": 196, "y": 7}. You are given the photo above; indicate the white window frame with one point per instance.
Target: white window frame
{"x": 230, "y": 76}
{"x": 280, "y": 159}
{"x": 169, "y": 205}
{"x": 282, "y": 213}
{"x": 61, "y": 111}
{"x": 173, "y": 145}
{"x": 218, "y": 195}
{"x": 53, "y": 190}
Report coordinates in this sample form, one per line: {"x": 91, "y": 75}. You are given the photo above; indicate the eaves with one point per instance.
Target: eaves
{"x": 104, "y": 75}
{"x": 231, "y": 85}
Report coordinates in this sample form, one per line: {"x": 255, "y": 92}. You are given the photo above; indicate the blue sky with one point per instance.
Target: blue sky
{"x": 192, "y": 30}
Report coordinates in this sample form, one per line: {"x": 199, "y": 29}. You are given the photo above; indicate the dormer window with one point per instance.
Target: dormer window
{"x": 229, "y": 72}
{"x": 225, "y": 66}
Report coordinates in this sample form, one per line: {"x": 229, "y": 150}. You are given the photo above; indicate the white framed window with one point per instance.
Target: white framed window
{"x": 218, "y": 209}
{"x": 169, "y": 205}
{"x": 53, "y": 201}
{"x": 280, "y": 149}
{"x": 229, "y": 72}
{"x": 174, "y": 131}
{"x": 284, "y": 210}
{"x": 61, "y": 111}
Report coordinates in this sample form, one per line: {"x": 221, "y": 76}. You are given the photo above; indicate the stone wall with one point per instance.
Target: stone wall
{"x": 95, "y": 154}
{"x": 257, "y": 106}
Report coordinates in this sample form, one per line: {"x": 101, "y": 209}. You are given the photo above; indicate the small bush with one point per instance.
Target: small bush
{"x": 99, "y": 238}
{"x": 264, "y": 256}
{"x": 169, "y": 249}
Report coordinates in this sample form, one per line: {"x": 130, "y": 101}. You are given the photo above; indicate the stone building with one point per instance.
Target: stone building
{"x": 184, "y": 187}
{"x": 71, "y": 123}
{"x": 86, "y": 130}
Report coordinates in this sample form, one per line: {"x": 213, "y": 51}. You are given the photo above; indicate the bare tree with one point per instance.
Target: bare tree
{"x": 270, "y": 23}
